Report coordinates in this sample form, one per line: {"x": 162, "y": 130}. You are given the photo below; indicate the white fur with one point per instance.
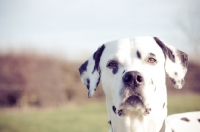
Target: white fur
{"x": 178, "y": 125}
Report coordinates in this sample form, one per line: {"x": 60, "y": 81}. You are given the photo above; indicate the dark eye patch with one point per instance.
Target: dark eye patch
{"x": 113, "y": 64}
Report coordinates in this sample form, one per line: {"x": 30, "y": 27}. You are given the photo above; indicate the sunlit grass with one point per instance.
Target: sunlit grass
{"x": 83, "y": 118}
{"x": 183, "y": 103}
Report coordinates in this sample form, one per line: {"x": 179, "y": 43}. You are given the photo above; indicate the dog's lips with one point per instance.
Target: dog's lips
{"x": 134, "y": 100}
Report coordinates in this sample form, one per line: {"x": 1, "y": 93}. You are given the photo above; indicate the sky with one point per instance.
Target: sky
{"x": 74, "y": 28}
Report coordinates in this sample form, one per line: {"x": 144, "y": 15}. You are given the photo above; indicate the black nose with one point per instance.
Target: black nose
{"x": 133, "y": 78}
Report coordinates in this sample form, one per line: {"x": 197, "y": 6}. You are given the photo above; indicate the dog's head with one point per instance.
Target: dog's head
{"x": 133, "y": 70}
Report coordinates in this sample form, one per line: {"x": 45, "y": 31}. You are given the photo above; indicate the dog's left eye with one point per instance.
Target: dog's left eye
{"x": 151, "y": 60}
{"x": 112, "y": 64}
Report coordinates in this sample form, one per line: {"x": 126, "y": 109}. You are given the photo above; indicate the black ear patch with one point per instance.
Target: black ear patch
{"x": 183, "y": 57}
{"x": 97, "y": 83}
{"x": 83, "y": 68}
{"x": 172, "y": 81}
{"x": 166, "y": 50}
{"x": 88, "y": 83}
{"x": 97, "y": 56}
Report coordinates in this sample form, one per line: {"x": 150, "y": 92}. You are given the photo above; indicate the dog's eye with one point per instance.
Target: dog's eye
{"x": 112, "y": 64}
{"x": 151, "y": 60}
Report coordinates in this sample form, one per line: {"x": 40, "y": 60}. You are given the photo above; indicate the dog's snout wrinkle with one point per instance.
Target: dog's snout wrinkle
{"x": 133, "y": 78}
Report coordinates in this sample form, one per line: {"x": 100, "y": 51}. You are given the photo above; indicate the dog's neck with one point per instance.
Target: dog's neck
{"x": 136, "y": 122}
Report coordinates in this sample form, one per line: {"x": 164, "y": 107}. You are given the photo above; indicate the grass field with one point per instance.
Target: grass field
{"x": 84, "y": 118}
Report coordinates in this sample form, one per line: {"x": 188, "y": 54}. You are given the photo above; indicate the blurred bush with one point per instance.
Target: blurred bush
{"x": 42, "y": 81}
{"x": 38, "y": 81}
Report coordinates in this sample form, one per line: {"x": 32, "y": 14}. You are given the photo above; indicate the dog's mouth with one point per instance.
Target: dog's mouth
{"x": 134, "y": 100}
{"x": 134, "y": 103}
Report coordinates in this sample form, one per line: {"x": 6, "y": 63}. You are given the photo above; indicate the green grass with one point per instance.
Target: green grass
{"x": 84, "y": 118}
{"x": 183, "y": 103}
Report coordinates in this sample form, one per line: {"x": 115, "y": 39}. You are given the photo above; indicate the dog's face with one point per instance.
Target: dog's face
{"x": 132, "y": 71}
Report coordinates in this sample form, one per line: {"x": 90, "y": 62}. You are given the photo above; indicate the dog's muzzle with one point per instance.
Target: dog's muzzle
{"x": 132, "y": 96}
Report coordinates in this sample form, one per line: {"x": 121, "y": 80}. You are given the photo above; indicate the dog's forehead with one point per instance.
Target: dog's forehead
{"x": 146, "y": 45}
{"x": 130, "y": 47}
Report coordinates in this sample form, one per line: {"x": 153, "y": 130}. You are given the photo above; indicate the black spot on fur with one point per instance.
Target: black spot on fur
{"x": 182, "y": 82}
{"x": 185, "y": 119}
{"x": 172, "y": 80}
{"x": 83, "y": 67}
{"x": 175, "y": 73}
{"x": 165, "y": 49}
{"x": 184, "y": 58}
{"x": 152, "y": 82}
{"x": 198, "y": 120}
{"x": 173, "y": 130}
{"x": 114, "y": 109}
{"x": 123, "y": 72}
{"x": 138, "y": 54}
{"x": 163, "y": 105}
{"x": 97, "y": 82}
{"x": 88, "y": 83}
{"x": 97, "y": 56}
{"x": 109, "y": 122}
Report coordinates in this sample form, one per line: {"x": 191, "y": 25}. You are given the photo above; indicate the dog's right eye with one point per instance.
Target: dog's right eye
{"x": 112, "y": 64}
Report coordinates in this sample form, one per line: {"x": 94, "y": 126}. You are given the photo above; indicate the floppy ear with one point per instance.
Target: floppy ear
{"x": 90, "y": 71}
{"x": 176, "y": 63}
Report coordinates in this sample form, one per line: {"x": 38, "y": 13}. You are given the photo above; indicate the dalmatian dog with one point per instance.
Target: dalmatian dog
{"x": 132, "y": 73}
{"x": 184, "y": 122}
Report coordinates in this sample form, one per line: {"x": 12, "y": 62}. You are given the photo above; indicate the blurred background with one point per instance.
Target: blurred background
{"x": 43, "y": 42}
